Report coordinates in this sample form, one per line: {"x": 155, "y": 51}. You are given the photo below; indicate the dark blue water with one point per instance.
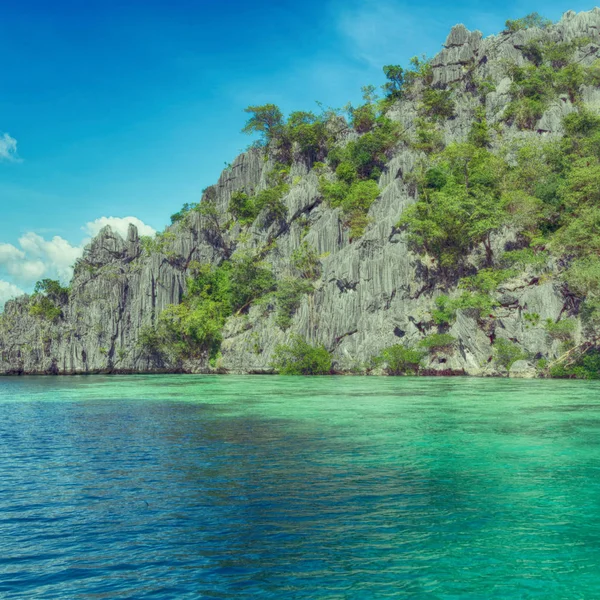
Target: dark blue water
{"x": 257, "y": 487}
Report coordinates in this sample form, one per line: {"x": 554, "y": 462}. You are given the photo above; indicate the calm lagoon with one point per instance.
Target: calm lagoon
{"x": 282, "y": 487}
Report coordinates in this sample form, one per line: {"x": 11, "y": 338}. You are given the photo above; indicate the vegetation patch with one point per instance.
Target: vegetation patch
{"x": 400, "y": 359}
{"x": 193, "y": 329}
{"x": 506, "y": 353}
{"x": 439, "y": 343}
{"x": 47, "y": 300}
{"x": 301, "y": 358}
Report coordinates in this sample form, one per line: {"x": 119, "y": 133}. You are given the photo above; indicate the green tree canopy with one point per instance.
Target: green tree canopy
{"x": 266, "y": 120}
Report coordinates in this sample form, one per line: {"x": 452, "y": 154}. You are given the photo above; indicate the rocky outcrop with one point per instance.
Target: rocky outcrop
{"x": 373, "y": 292}
{"x": 522, "y": 369}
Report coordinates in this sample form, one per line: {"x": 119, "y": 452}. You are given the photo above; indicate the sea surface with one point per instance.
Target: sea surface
{"x": 282, "y": 487}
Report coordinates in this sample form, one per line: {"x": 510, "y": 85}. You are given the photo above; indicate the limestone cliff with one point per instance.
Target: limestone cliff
{"x": 372, "y": 292}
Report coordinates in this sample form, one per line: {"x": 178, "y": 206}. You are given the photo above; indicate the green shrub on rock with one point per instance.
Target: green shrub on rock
{"x": 44, "y": 308}
{"x": 400, "y": 359}
{"x": 47, "y": 298}
{"x": 290, "y": 291}
{"x": 586, "y": 366}
{"x": 242, "y": 207}
{"x": 531, "y": 20}
{"x": 301, "y": 358}
{"x": 306, "y": 261}
{"x": 438, "y": 343}
{"x": 561, "y": 330}
{"x": 506, "y": 353}
{"x": 437, "y": 104}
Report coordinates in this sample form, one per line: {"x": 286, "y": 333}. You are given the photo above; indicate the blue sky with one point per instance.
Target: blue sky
{"x": 131, "y": 108}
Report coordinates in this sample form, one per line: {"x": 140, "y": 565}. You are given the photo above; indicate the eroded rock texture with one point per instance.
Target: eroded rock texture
{"x": 372, "y": 293}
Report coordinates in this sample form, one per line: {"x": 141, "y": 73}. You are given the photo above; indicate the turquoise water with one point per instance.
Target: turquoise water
{"x": 273, "y": 487}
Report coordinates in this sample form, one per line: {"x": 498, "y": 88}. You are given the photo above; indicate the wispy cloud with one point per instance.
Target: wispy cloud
{"x": 381, "y": 32}
{"x": 8, "y": 147}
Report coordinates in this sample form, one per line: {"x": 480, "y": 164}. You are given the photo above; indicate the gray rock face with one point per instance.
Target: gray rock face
{"x": 522, "y": 369}
{"x": 373, "y": 292}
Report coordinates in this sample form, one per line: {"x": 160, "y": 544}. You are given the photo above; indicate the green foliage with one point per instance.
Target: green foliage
{"x": 150, "y": 342}
{"x": 437, "y": 104}
{"x": 581, "y": 124}
{"x": 301, "y": 358}
{"x": 306, "y": 261}
{"x": 395, "y": 80}
{"x": 157, "y": 244}
{"x": 45, "y": 308}
{"x": 290, "y": 291}
{"x": 527, "y": 22}
{"x": 310, "y": 133}
{"x": 249, "y": 279}
{"x": 358, "y": 165}
{"x": 355, "y": 200}
{"x": 193, "y": 328}
{"x": 444, "y": 312}
{"x": 246, "y": 208}
{"x": 438, "y": 343}
{"x": 271, "y": 201}
{"x": 266, "y": 120}
{"x": 477, "y": 304}
{"x": 593, "y": 73}
{"x": 525, "y": 112}
{"x": 479, "y": 135}
{"x": 486, "y": 280}
{"x": 449, "y": 222}
{"x": 484, "y": 86}
{"x": 580, "y": 234}
{"x": 561, "y": 330}
{"x": 428, "y": 136}
{"x": 346, "y": 172}
{"x": 550, "y": 73}
{"x": 186, "y": 209}
{"x": 369, "y": 153}
{"x": 506, "y": 353}
{"x": 583, "y": 279}
{"x": 278, "y": 175}
{"x": 587, "y": 366}
{"x": 400, "y": 359}
{"x": 47, "y": 298}
{"x": 52, "y": 289}
{"x": 241, "y": 206}
{"x": 421, "y": 70}
{"x": 526, "y": 257}
{"x": 363, "y": 118}
{"x": 532, "y": 319}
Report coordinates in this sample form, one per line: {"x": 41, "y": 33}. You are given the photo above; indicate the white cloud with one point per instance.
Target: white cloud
{"x": 375, "y": 30}
{"x": 8, "y": 253}
{"x": 119, "y": 225}
{"x": 8, "y": 147}
{"x": 56, "y": 253}
{"x": 38, "y": 257}
{"x": 27, "y": 271}
{"x": 8, "y": 291}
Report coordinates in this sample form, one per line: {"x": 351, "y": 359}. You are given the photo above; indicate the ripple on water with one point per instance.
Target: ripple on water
{"x": 274, "y": 487}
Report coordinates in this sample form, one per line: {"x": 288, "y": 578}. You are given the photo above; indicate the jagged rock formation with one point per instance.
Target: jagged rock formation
{"x": 373, "y": 291}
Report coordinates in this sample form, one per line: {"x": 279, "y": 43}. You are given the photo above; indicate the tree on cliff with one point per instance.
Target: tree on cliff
{"x": 266, "y": 120}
